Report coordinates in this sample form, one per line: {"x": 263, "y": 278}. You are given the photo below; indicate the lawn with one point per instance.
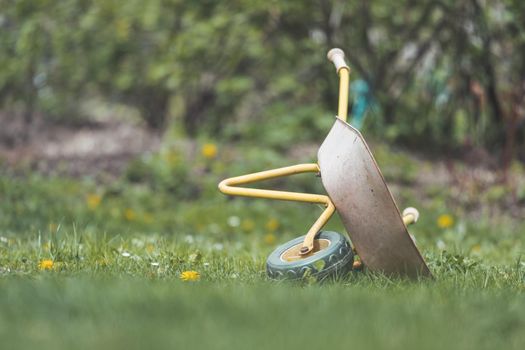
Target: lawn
{"x": 85, "y": 264}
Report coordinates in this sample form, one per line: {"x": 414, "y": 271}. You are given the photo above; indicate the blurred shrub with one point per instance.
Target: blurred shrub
{"x": 168, "y": 171}
{"x": 395, "y": 166}
{"x": 441, "y": 73}
{"x": 131, "y": 51}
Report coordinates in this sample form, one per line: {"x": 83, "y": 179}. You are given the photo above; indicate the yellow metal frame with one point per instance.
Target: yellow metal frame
{"x": 344, "y": 80}
{"x": 229, "y": 186}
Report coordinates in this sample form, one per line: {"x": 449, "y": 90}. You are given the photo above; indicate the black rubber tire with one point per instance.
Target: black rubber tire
{"x": 335, "y": 260}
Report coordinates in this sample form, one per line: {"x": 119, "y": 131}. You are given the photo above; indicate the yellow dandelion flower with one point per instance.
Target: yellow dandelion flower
{"x": 445, "y": 221}
{"x": 46, "y": 264}
{"x": 189, "y": 276}
{"x": 209, "y": 150}
{"x": 269, "y": 238}
{"x": 247, "y": 225}
{"x": 476, "y": 249}
{"x": 130, "y": 214}
{"x": 93, "y": 201}
{"x": 272, "y": 224}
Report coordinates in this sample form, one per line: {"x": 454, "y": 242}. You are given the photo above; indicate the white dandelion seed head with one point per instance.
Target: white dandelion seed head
{"x": 234, "y": 221}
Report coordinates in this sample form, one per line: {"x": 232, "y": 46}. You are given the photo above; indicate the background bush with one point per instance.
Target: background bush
{"x": 440, "y": 73}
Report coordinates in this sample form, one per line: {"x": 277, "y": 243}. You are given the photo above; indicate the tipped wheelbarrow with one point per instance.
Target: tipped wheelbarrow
{"x": 357, "y": 191}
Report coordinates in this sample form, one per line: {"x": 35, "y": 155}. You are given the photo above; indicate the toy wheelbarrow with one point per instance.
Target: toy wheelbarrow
{"x": 357, "y": 191}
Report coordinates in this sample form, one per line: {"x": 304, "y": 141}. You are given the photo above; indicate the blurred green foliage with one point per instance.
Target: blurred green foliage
{"x": 443, "y": 73}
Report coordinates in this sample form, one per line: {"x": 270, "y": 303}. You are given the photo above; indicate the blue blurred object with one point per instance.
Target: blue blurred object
{"x": 438, "y": 84}
{"x": 362, "y": 100}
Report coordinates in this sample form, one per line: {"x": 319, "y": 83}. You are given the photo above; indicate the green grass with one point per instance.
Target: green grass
{"x": 125, "y": 293}
{"x": 115, "y": 282}
{"x": 122, "y": 313}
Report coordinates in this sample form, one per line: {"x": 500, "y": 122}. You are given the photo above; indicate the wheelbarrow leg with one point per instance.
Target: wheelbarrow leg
{"x": 229, "y": 186}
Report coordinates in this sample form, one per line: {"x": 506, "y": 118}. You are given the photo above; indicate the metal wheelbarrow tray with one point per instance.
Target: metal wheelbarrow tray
{"x": 355, "y": 185}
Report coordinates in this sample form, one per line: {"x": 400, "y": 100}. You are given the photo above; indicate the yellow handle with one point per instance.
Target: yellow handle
{"x": 410, "y": 215}
{"x": 337, "y": 56}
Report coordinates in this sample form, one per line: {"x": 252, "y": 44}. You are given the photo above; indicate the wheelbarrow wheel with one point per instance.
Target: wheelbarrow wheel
{"x": 332, "y": 256}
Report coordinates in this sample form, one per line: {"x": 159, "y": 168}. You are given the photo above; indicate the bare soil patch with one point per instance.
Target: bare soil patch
{"x": 100, "y": 149}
